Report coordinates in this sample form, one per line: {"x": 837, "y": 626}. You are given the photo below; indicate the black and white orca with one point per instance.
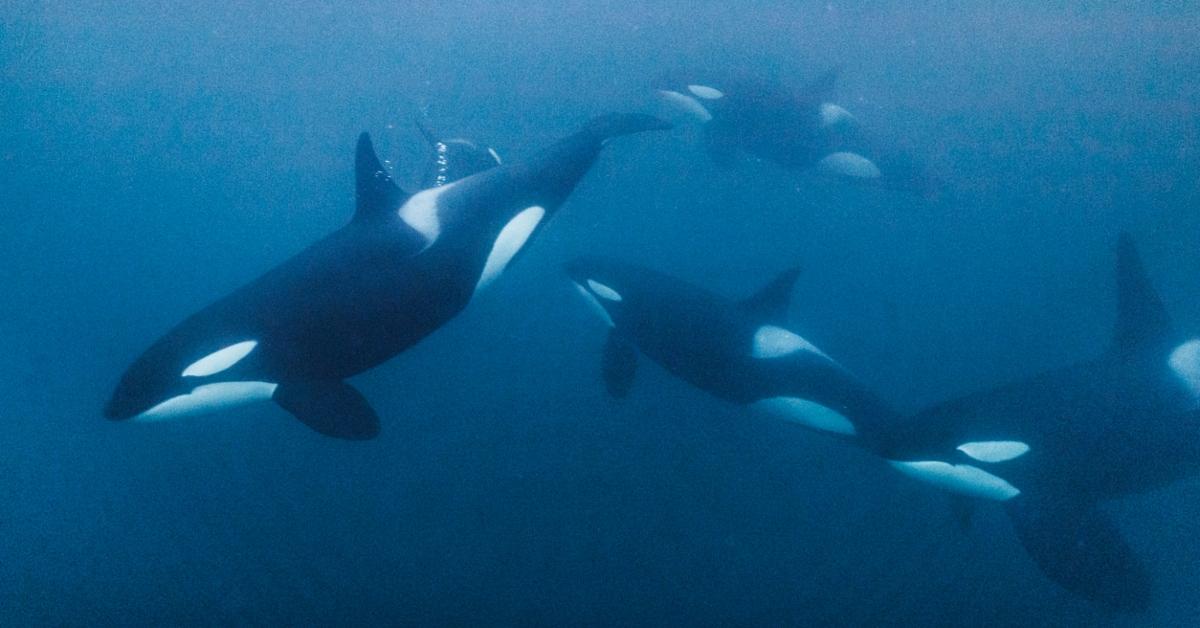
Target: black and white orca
{"x": 739, "y": 351}
{"x": 1049, "y": 448}
{"x": 798, "y": 129}
{"x": 403, "y": 266}
{"x": 1053, "y": 446}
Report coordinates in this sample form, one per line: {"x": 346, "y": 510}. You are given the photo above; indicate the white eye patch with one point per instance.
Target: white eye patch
{"x": 220, "y": 360}
{"x": 994, "y": 450}
{"x": 603, "y": 291}
{"x": 706, "y": 92}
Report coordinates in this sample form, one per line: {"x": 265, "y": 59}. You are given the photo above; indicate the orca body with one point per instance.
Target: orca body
{"x": 1053, "y": 446}
{"x": 1049, "y": 448}
{"x": 797, "y": 129}
{"x": 739, "y": 351}
{"x": 402, "y": 267}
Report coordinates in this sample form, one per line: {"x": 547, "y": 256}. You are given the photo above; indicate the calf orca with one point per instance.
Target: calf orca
{"x": 454, "y": 158}
{"x": 739, "y": 351}
{"x": 1050, "y": 448}
{"x": 403, "y": 266}
{"x": 798, "y": 129}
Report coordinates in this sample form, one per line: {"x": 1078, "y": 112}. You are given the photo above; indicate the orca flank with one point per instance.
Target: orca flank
{"x": 403, "y": 266}
{"x": 739, "y": 351}
{"x": 1049, "y": 449}
{"x": 1052, "y": 447}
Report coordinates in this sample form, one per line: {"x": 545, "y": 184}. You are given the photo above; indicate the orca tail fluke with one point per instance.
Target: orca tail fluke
{"x": 331, "y": 408}
{"x": 1077, "y": 546}
{"x": 556, "y": 171}
{"x": 617, "y": 124}
{"x": 771, "y": 302}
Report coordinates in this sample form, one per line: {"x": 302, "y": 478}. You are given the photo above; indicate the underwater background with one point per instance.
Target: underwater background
{"x": 154, "y": 156}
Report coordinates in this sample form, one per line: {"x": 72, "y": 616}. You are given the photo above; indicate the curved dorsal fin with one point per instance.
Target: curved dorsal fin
{"x": 819, "y": 89}
{"x": 770, "y": 303}
{"x": 1141, "y": 317}
{"x": 375, "y": 192}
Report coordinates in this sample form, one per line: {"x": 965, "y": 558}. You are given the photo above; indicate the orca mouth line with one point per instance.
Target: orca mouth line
{"x": 118, "y": 409}
{"x": 112, "y": 411}
{"x": 594, "y": 304}
{"x": 124, "y": 406}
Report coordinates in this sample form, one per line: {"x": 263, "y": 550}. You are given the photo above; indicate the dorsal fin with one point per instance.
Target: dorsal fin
{"x": 819, "y": 89}
{"x": 426, "y": 132}
{"x": 1141, "y": 317}
{"x": 770, "y": 303}
{"x": 375, "y": 192}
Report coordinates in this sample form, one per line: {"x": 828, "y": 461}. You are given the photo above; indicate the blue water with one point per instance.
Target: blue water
{"x": 153, "y": 157}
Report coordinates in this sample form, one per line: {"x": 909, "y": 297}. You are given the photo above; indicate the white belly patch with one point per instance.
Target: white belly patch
{"x": 209, "y": 398}
{"x": 958, "y": 478}
{"x": 807, "y": 413}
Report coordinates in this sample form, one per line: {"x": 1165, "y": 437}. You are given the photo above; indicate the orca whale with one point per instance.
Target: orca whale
{"x": 1052, "y": 447}
{"x": 797, "y": 129}
{"x": 453, "y": 159}
{"x": 1049, "y": 448}
{"x": 403, "y": 266}
{"x": 739, "y": 351}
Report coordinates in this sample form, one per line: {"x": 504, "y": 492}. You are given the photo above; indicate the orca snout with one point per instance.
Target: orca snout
{"x": 115, "y": 410}
{"x": 592, "y": 282}
{"x": 594, "y": 276}
{"x": 141, "y": 387}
